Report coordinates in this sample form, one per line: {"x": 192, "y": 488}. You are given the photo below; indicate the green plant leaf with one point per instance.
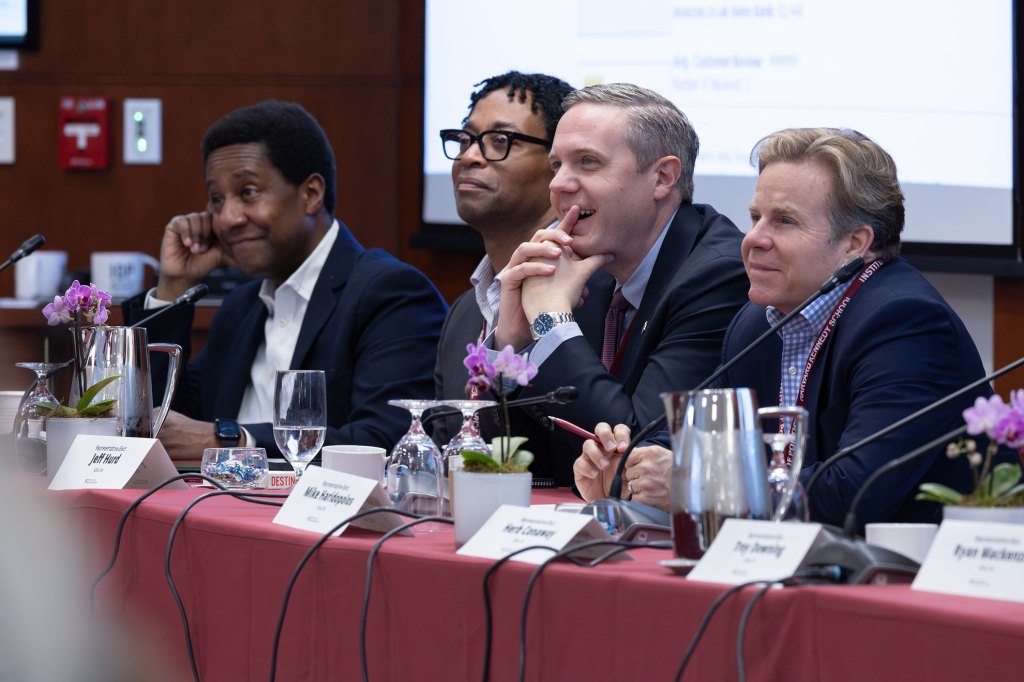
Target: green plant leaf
{"x": 92, "y": 391}
{"x": 1004, "y": 477}
{"x": 935, "y": 492}
{"x": 474, "y": 460}
{"x": 103, "y": 408}
{"x": 1014, "y": 497}
{"x": 521, "y": 460}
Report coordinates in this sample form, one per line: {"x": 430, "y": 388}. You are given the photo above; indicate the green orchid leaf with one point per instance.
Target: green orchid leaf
{"x": 1010, "y": 495}
{"x": 476, "y": 461}
{"x": 521, "y": 460}
{"x": 498, "y": 446}
{"x": 92, "y": 391}
{"x": 103, "y": 408}
{"x": 935, "y": 492}
{"x": 1004, "y": 477}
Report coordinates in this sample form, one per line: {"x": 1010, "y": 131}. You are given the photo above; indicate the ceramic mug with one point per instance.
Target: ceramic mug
{"x": 38, "y": 276}
{"x": 120, "y": 273}
{"x": 359, "y": 460}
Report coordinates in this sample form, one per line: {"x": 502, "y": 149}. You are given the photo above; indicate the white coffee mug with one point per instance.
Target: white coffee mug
{"x": 912, "y": 540}
{"x": 359, "y": 460}
{"x": 39, "y": 275}
{"x": 121, "y": 273}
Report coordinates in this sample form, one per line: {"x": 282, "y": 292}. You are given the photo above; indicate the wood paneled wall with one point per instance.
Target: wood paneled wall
{"x": 355, "y": 64}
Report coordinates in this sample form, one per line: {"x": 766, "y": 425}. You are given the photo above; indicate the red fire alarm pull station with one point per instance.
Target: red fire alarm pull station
{"x": 83, "y": 139}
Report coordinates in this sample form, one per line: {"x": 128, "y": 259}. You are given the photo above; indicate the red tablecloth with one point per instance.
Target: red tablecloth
{"x": 627, "y": 620}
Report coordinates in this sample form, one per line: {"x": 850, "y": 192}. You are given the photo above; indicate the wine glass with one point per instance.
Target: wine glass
{"x": 300, "y": 415}
{"x": 30, "y": 420}
{"x": 468, "y": 438}
{"x": 414, "y": 476}
{"x": 779, "y": 476}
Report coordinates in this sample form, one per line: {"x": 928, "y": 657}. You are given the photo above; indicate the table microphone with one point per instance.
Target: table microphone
{"x": 27, "y": 247}
{"x": 559, "y": 396}
{"x": 859, "y": 562}
{"x": 867, "y": 440}
{"x": 843, "y": 274}
{"x": 190, "y": 296}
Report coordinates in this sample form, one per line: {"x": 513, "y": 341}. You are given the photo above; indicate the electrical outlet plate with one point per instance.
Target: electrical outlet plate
{"x": 143, "y": 131}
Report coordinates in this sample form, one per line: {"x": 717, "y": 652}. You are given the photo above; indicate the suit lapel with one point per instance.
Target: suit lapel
{"x": 336, "y": 271}
{"x": 238, "y": 364}
{"x": 680, "y": 239}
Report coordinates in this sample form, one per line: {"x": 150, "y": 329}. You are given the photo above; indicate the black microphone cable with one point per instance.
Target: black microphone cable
{"x": 302, "y": 562}
{"x": 244, "y": 495}
{"x": 369, "y": 579}
{"x": 741, "y": 630}
{"x": 619, "y": 545}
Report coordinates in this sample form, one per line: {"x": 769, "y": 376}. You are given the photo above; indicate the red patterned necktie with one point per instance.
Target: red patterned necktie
{"x": 614, "y": 321}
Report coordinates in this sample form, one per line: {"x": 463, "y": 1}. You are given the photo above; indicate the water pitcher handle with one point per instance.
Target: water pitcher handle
{"x": 174, "y": 350}
{"x": 799, "y": 416}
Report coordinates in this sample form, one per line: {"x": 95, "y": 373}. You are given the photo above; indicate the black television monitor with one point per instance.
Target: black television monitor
{"x": 19, "y": 24}
{"x": 933, "y": 81}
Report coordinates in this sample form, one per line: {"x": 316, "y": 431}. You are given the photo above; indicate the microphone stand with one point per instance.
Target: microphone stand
{"x": 190, "y": 296}
{"x": 560, "y": 396}
{"x": 28, "y": 246}
{"x": 867, "y": 440}
{"x": 843, "y": 274}
{"x": 858, "y": 561}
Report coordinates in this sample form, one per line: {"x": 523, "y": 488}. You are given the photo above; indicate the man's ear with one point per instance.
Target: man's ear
{"x": 859, "y": 241}
{"x": 667, "y": 170}
{"x": 312, "y": 190}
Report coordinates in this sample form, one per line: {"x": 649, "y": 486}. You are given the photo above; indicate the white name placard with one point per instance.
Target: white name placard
{"x": 975, "y": 559}
{"x": 512, "y": 528}
{"x": 322, "y": 499}
{"x": 746, "y": 550}
{"x": 114, "y": 462}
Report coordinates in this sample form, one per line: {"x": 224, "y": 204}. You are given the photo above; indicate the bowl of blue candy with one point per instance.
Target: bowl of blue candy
{"x": 236, "y": 468}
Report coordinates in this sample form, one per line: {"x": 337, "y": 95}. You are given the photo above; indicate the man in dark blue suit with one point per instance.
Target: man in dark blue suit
{"x": 320, "y": 300}
{"x": 623, "y": 187}
{"x": 858, "y": 359}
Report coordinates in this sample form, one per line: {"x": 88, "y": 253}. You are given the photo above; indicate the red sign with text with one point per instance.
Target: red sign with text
{"x": 83, "y": 139}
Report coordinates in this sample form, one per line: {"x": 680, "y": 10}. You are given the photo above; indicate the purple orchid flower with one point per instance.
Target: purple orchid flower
{"x": 515, "y": 367}
{"x": 57, "y": 312}
{"x": 985, "y": 415}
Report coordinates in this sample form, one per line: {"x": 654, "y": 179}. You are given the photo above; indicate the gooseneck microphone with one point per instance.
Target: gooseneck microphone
{"x": 190, "y": 296}
{"x": 843, "y": 274}
{"x": 27, "y": 247}
{"x": 881, "y": 433}
{"x": 559, "y": 396}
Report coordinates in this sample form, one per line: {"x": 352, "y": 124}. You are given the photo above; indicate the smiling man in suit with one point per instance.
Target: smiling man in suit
{"x": 319, "y": 300}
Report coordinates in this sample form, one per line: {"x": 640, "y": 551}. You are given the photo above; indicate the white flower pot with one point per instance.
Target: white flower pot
{"x": 61, "y": 433}
{"x": 984, "y": 514}
{"x": 478, "y": 495}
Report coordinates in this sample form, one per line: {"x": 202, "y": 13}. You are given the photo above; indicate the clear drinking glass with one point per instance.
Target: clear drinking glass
{"x": 468, "y": 438}
{"x": 30, "y": 420}
{"x": 414, "y": 476}
{"x": 300, "y": 415}
{"x": 779, "y": 475}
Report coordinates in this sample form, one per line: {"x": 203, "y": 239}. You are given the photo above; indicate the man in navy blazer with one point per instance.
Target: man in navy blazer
{"x": 623, "y": 158}
{"x": 320, "y": 300}
{"x": 872, "y": 351}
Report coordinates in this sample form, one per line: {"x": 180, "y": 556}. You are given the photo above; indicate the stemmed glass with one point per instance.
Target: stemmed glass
{"x": 468, "y": 438}
{"x": 300, "y": 415}
{"x": 414, "y": 476}
{"x": 779, "y": 477}
{"x": 30, "y": 420}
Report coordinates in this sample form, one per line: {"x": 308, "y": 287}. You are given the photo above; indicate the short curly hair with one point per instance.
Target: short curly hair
{"x": 546, "y": 92}
{"x": 296, "y": 144}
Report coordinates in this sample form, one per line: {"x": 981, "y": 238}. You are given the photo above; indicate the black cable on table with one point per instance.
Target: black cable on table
{"x": 741, "y": 631}
{"x": 244, "y": 495}
{"x": 369, "y": 578}
{"x": 124, "y": 519}
{"x": 298, "y": 569}
{"x": 558, "y": 555}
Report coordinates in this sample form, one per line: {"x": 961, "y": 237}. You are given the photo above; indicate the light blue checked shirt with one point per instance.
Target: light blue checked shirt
{"x": 798, "y": 336}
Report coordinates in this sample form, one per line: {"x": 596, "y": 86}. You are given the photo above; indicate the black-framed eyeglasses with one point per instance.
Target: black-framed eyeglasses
{"x": 494, "y": 144}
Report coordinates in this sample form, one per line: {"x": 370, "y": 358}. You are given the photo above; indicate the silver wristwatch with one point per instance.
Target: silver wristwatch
{"x": 545, "y": 322}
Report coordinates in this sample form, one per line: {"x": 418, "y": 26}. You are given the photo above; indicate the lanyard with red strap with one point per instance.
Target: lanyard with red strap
{"x": 823, "y": 337}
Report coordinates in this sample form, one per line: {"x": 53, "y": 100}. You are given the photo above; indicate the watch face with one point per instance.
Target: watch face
{"x": 228, "y": 429}
{"x": 543, "y": 324}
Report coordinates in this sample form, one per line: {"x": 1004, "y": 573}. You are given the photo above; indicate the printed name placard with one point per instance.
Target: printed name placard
{"x": 113, "y": 462}
{"x": 746, "y": 550}
{"x": 975, "y": 559}
{"x": 511, "y": 528}
{"x": 323, "y": 498}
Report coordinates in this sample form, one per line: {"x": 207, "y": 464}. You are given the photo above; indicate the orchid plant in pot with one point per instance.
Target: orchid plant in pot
{"x": 81, "y": 305}
{"x": 998, "y": 491}
{"x": 487, "y": 481}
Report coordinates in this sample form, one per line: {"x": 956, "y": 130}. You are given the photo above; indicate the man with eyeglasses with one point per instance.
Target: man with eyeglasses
{"x": 623, "y": 158}
{"x": 500, "y": 176}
